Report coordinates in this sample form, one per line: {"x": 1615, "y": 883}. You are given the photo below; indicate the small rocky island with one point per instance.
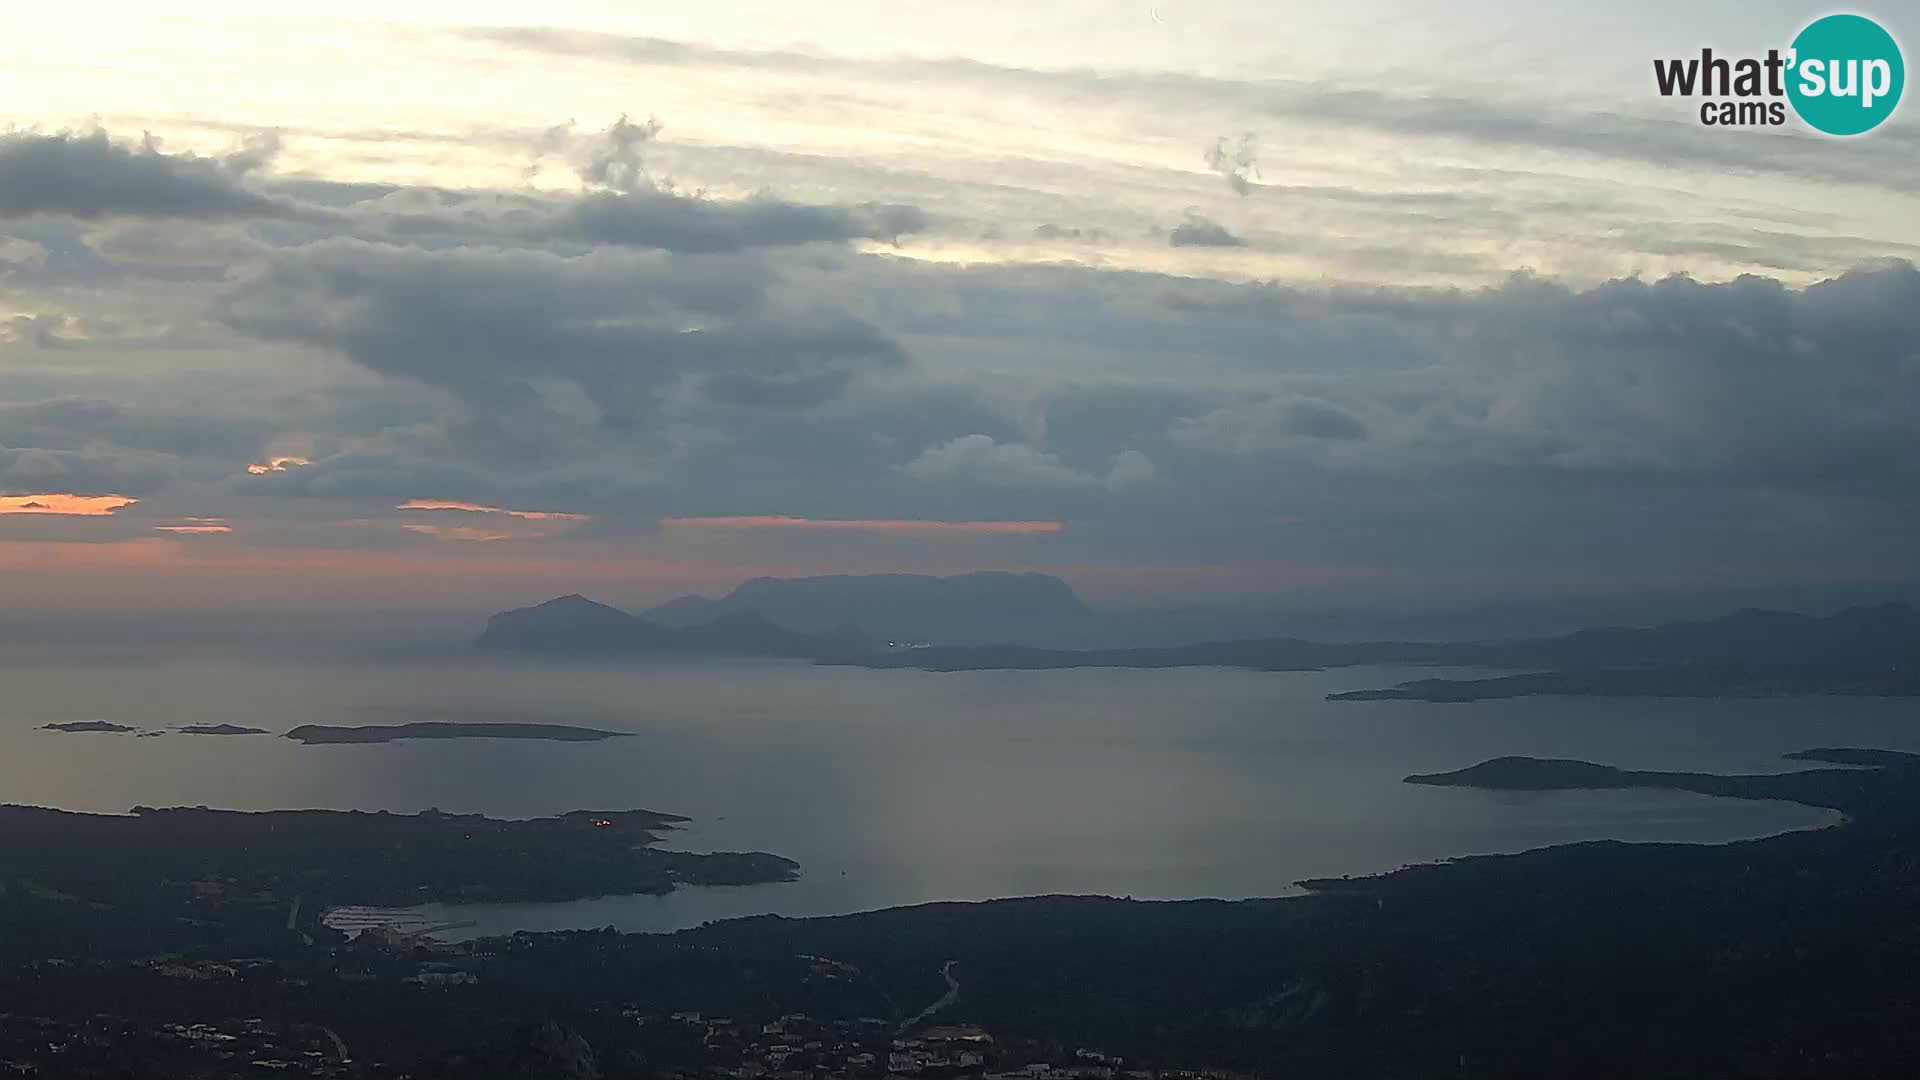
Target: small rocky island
{"x": 380, "y": 733}
{"x": 221, "y": 729}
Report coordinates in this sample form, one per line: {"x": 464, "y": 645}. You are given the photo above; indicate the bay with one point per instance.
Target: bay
{"x": 901, "y": 787}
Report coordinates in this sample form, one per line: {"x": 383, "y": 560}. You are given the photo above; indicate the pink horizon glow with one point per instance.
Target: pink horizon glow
{"x": 891, "y": 526}
{"x": 173, "y": 572}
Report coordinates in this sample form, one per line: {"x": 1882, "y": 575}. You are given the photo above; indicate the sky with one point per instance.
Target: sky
{"x": 463, "y": 305}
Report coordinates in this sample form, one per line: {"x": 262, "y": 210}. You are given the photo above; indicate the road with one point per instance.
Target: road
{"x": 946, "y": 999}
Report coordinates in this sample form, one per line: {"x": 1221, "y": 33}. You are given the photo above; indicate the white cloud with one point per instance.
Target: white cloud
{"x": 978, "y": 459}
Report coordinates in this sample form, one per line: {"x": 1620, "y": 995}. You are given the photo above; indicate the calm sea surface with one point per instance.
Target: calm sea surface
{"x": 902, "y": 787}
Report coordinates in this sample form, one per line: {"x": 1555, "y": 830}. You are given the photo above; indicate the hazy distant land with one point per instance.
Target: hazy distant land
{"x": 1692, "y": 680}
{"x": 1870, "y": 650}
{"x": 222, "y": 729}
{"x": 379, "y": 733}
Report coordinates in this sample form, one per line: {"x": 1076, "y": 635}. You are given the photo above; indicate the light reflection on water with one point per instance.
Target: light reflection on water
{"x": 904, "y": 787}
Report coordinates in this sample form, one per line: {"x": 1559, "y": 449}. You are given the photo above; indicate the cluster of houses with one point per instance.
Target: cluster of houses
{"x": 798, "y": 1047}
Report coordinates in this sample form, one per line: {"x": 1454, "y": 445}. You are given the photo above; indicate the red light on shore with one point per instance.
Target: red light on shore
{"x": 601, "y": 823}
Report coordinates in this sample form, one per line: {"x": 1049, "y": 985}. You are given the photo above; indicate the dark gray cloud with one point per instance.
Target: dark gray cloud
{"x": 43, "y": 331}
{"x": 681, "y": 223}
{"x": 1238, "y": 162}
{"x": 1072, "y": 233}
{"x": 633, "y": 351}
{"x": 621, "y": 203}
{"x": 91, "y": 175}
{"x": 82, "y": 423}
{"x": 29, "y": 470}
{"x": 630, "y": 331}
{"x": 625, "y": 204}
{"x": 661, "y": 220}
{"x": 1198, "y": 231}
{"x": 615, "y": 160}
{"x": 1252, "y": 426}
{"x": 1746, "y": 383}
{"x": 97, "y": 446}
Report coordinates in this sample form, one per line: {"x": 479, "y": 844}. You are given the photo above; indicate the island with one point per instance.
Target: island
{"x": 1848, "y": 790}
{"x": 433, "y": 729}
{"x": 221, "y": 729}
{"x": 86, "y": 725}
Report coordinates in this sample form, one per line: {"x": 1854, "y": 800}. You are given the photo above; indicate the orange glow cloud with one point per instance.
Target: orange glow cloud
{"x": 478, "y": 508}
{"x": 456, "y": 532}
{"x": 277, "y": 464}
{"x": 909, "y": 527}
{"x": 66, "y": 505}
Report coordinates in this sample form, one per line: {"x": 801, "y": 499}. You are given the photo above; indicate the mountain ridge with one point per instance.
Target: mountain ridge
{"x": 978, "y": 607}
{"x": 573, "y": 625}
{"x": 1872, "y": 649}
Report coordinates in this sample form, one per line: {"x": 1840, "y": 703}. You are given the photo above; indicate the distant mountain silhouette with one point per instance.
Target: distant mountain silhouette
{"x": 976, "y": 608}
{"x": 1856, "y": 635}
{"x": 1860, "y": 650}
{"x": 999, "y": 608}
{"x": 576, "y": 626}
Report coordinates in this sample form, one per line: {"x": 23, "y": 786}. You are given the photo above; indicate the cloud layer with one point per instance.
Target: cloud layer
{"x": 1311, "y": 355}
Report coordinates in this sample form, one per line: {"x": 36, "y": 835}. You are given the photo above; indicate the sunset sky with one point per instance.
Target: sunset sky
{"x": 361, "y": 303}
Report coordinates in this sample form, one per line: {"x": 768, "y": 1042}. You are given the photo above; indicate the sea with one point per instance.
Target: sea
{"x": 907, "y": 787}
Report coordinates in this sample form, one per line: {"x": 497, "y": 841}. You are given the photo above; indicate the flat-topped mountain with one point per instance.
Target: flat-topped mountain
{"x": 576, "y": 626}
{"x": 976, "y": 608}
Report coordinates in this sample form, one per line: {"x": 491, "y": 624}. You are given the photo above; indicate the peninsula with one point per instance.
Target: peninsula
{"x": 192, "y": 874}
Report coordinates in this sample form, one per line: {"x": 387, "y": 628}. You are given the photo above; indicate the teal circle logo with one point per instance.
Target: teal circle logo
{"x": 1846, "y": 75}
